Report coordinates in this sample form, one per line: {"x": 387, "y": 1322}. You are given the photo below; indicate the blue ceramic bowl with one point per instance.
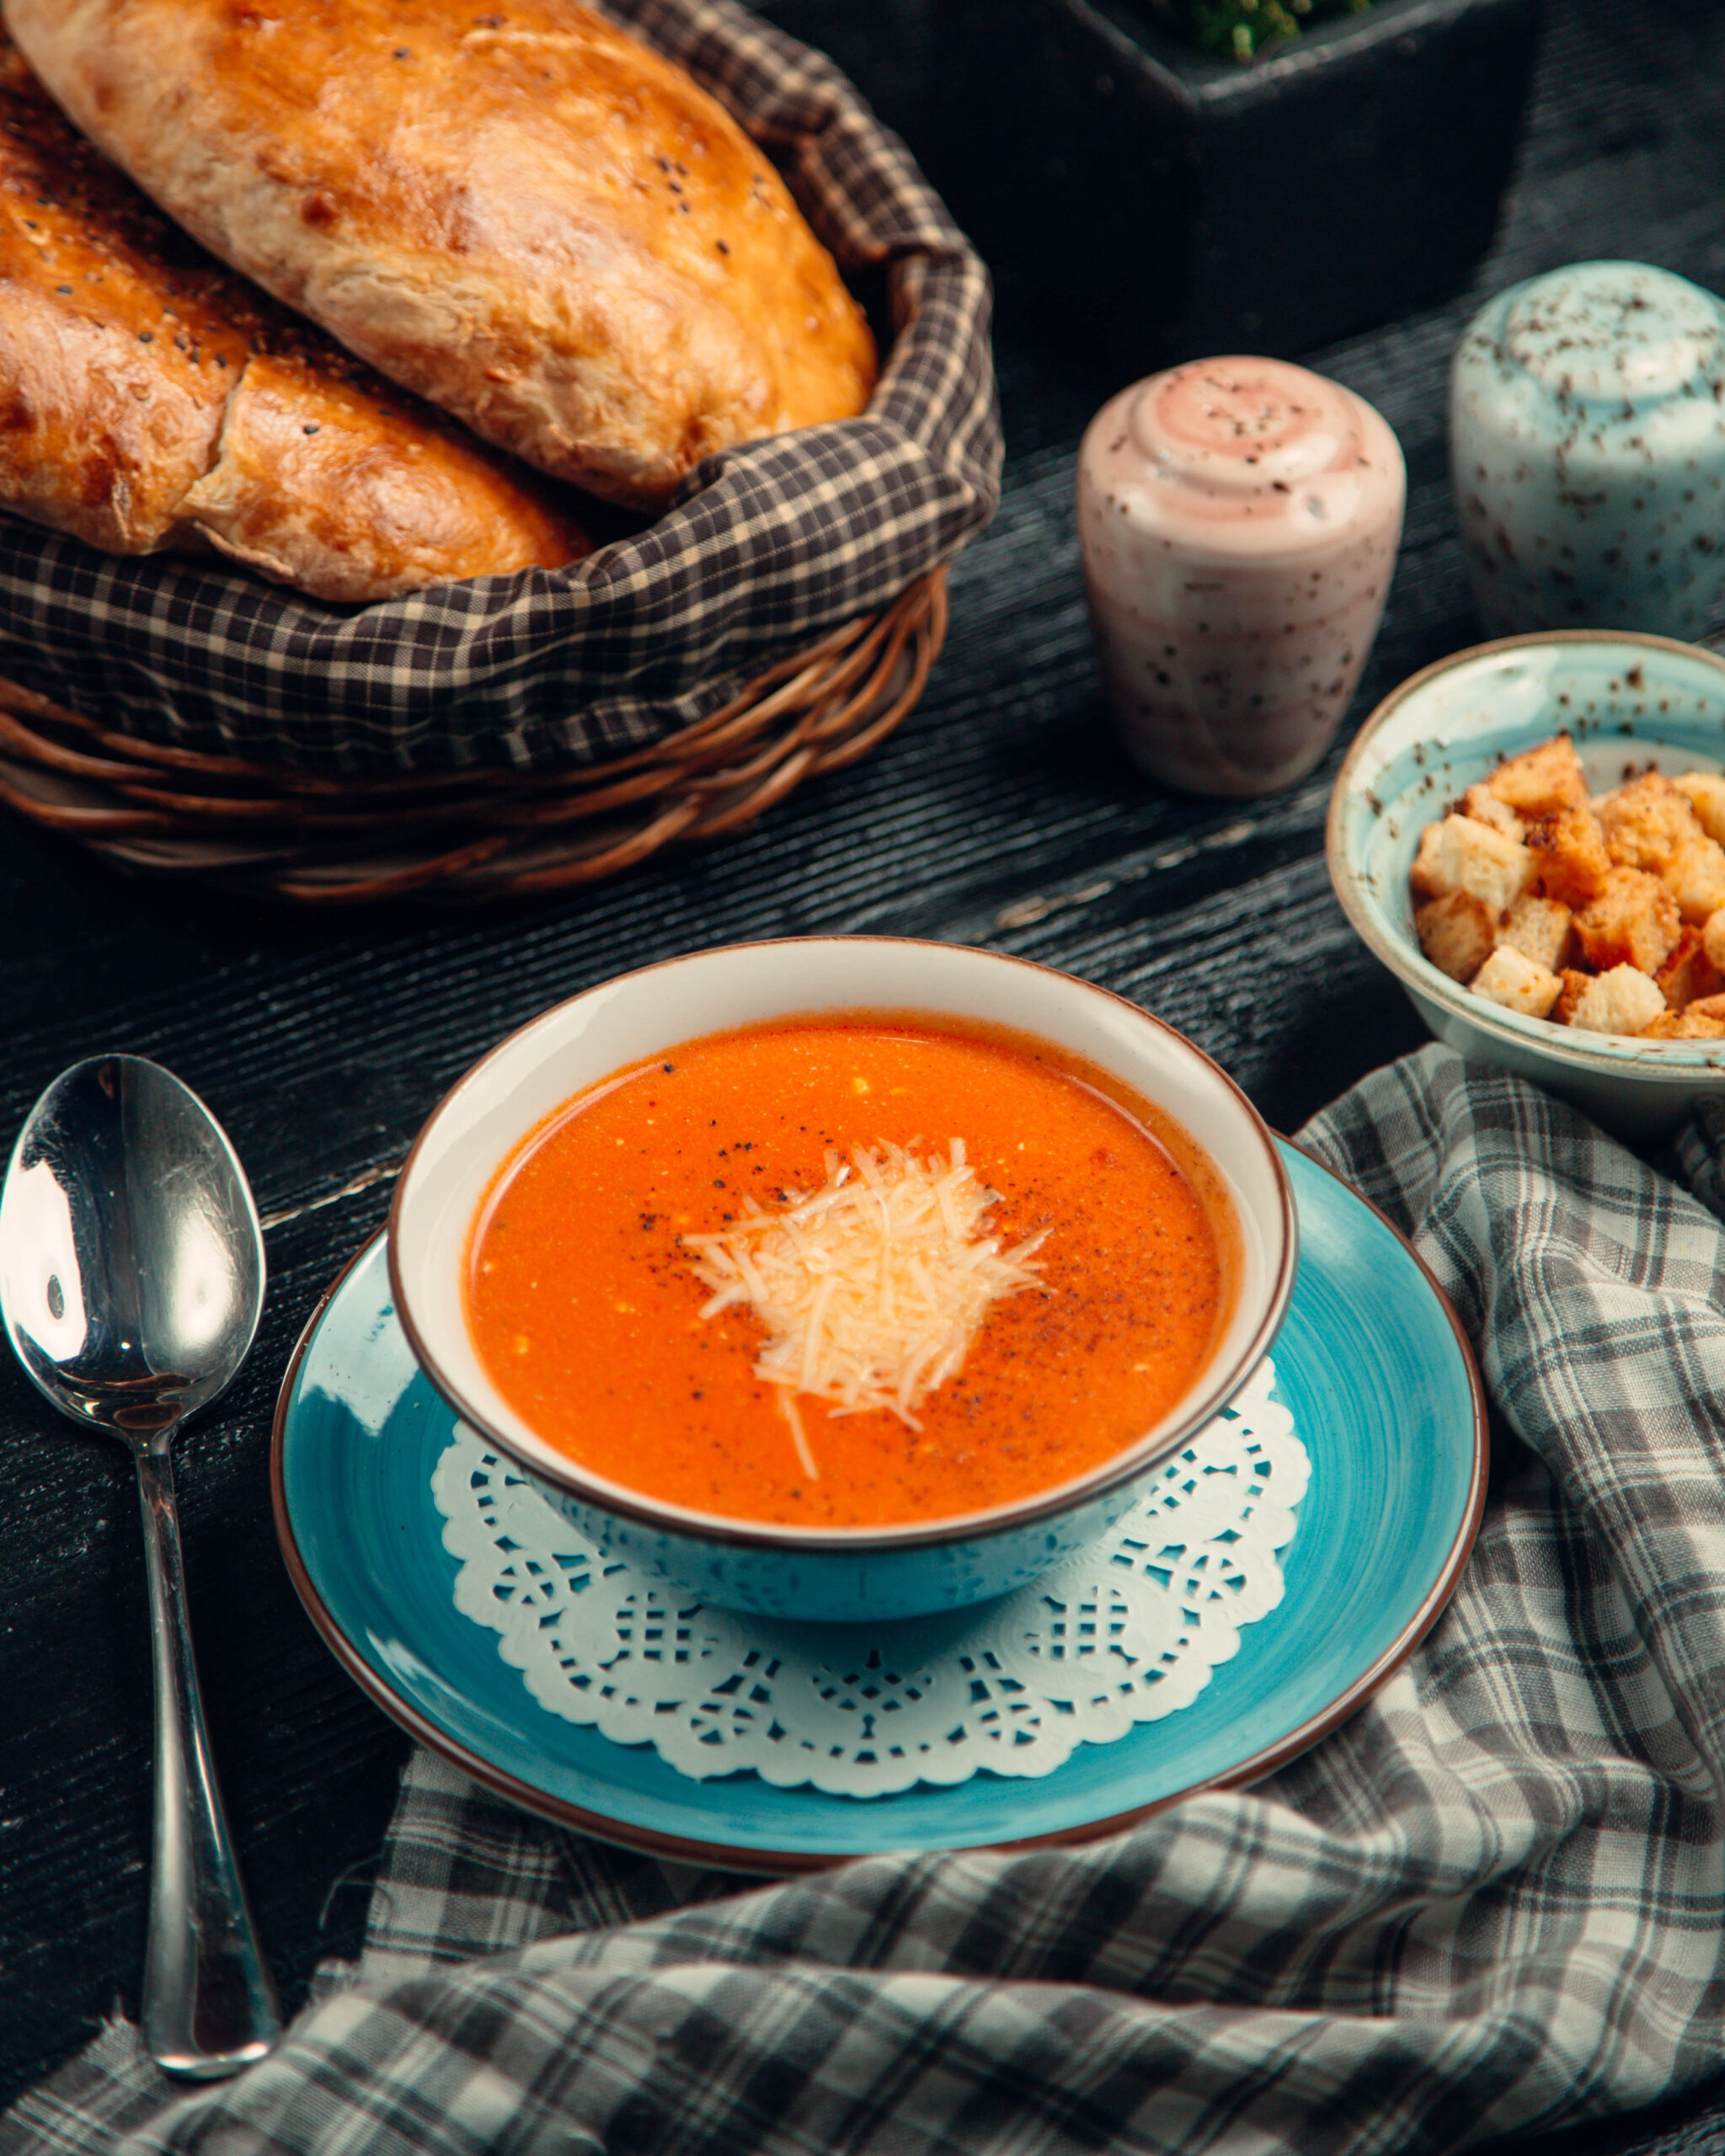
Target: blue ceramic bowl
{"x": 1628, "y": 701}
{"x": 836, "y": 1574}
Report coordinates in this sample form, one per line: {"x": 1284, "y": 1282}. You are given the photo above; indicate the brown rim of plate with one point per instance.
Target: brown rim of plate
{"x": 1208, "y": 1396}
{"x": 782, "y": 1863}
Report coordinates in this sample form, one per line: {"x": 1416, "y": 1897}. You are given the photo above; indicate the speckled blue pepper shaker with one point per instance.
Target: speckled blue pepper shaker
{"x": 1586, "y": 445}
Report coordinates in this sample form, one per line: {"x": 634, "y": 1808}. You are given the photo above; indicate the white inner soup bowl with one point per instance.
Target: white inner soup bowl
{"x": 830, "y": 1573}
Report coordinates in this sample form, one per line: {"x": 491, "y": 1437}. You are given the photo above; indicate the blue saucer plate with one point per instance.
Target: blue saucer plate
{"x": 1384, "y": 1395}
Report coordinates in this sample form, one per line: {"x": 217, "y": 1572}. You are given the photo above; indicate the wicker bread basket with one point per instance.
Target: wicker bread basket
{"x": 527, "y": 734}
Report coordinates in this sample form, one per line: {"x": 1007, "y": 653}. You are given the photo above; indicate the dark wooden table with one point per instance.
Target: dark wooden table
{"x": 1002, "y": 815}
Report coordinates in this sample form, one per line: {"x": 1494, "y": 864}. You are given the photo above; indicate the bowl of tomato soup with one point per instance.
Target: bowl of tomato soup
{"x": 843, "y": 1277}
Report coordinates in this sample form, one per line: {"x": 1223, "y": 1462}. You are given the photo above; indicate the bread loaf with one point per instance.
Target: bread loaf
{"x": 150, "y": 398}
{"x": 523, "y": 214}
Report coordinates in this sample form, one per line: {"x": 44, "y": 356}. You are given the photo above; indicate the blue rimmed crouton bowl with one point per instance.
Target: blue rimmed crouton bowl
{"x": 1630, "y": 704}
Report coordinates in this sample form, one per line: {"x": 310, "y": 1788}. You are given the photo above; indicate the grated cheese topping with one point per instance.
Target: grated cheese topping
{"x": 872, "y": 1288}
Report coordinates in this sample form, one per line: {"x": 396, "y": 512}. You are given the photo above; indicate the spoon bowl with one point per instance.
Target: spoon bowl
{"x": 131, "y": 1279}
{"x": 131, "y": 1265}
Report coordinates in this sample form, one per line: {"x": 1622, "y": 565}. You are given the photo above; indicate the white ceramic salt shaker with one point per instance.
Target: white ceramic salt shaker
{"x": 1239, "y": 519}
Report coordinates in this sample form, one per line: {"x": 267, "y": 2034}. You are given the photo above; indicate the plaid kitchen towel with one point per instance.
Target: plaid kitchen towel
{"x": 1493, "y": 1901}
{"x": 769, "y": 545}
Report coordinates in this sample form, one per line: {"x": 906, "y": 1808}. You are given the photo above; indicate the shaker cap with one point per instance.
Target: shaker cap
{"x": 1242, "y": 425}
{"x": 1615, "y": 330}
{"x": 1247, "y": 455}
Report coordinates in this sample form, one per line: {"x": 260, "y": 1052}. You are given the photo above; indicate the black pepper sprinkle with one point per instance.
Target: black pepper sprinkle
{"x": 147, "y": 336}
{"x": 723, "y": 248}
{"x": 310, "y": 427}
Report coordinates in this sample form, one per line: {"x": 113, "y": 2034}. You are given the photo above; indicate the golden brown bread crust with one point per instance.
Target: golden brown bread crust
{"x": 150, "y": 398}
{"x": 524, "y": 214}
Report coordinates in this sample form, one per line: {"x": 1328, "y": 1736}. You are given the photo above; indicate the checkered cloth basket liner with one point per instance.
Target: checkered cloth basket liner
{"x": 767, "y": 547}
{"x": 1491, "y": 1906}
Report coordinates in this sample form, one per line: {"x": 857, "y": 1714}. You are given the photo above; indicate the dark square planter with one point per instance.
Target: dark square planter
{"x": 1171, "y": 206}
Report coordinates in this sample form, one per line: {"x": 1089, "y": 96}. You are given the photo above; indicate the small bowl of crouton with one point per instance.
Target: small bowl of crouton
{"x": 1530, "y": 834}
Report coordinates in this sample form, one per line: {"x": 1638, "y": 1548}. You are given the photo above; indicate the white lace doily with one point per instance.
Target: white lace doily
{"x": 1126, "y": 1631}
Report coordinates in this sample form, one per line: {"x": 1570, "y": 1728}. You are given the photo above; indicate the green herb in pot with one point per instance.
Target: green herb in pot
{"x": 1238, "y": 30}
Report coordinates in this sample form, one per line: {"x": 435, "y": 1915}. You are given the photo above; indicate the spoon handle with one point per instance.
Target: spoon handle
{"x": 209, "y": 2006}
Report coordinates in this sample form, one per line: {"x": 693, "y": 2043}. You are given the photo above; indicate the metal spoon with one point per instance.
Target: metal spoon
{"x": 131, "y": 1276}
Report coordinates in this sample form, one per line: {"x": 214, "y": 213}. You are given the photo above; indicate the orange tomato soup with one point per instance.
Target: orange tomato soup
{"x": 585, "y": 1308}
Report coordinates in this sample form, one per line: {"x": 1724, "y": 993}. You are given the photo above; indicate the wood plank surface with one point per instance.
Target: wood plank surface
{"x": 1002, "y": 815}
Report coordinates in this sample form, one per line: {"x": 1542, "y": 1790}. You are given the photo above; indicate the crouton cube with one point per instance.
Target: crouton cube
{"x": 1648, "y": 823}
{"x": 1690, "y": 1025}
{"x": 1541, "y": 781}
{"x": 1460, "y": 854}
{"x": 1456, "y": 933}
{"x": 1540, "y": 929}
{"x": 1634, "y": 921}
{"x": 1688, "y": 971}
{"x": 1704, "y": 792}
{"x": 1694, "y": 875}
{"x": 1623, "y": 1001}
{"x": 1483, "y": 806}
{"x": 1707, "y": 1006}
{"x": 1714, "y": 938}
{"x": 1576, "y": 985}
{"x": 1517, "y": 982}
{"x": 1569, "y": 857}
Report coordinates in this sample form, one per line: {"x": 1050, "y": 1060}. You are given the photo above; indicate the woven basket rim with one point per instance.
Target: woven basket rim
{"x": 492, "y": 830}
